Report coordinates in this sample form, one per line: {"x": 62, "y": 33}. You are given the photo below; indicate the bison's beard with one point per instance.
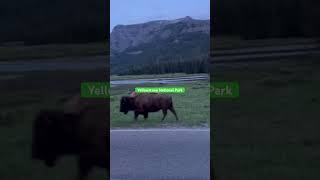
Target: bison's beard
{"x": 124, "y": 111}
{"x": 50, "y": 162}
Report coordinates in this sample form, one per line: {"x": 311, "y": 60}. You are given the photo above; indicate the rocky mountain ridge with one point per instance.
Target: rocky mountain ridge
{"x": 128, "y": 36}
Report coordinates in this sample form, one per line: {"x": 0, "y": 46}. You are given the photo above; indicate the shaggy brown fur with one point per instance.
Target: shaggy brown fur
{"x": 82, "y": 130}
{"x": 145, "y": 103}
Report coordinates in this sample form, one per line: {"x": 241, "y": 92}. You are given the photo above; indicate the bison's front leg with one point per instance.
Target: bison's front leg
{"x": 145, "y": 115}
{"x": 83, "y": 169}
{"x": 136, "y": 114}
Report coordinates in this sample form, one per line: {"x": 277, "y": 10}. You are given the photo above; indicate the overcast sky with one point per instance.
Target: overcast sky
{"x": 138, "y": 11}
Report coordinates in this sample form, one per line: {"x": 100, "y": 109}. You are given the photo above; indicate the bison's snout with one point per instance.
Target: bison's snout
{"x": 123, "y": 111}
{"x": 49, "y": 163}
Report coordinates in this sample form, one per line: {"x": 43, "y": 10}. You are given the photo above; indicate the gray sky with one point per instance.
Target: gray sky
{"x": 138, "y": 11}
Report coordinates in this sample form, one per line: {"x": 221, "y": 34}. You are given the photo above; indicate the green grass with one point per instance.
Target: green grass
{"x": 272, "y": 130}
{"x": 10, "y": 53}
{"x": 23, "y": 95}
{"x": 192, "y": 108}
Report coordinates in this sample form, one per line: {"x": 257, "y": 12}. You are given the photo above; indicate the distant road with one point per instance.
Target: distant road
{"x": 160, "y": 154}
{"x": 219, "y": 56}
{"x": 259, "y": 53}
{"x": 175, "y": 80}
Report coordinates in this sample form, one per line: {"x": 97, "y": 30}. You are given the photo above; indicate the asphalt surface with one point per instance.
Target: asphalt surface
{"x": 259, "y": 57}
{"x": 261, "y": 54}
{"x": 160, "y": 154}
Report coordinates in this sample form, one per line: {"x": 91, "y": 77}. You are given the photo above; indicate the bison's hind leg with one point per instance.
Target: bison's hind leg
{"x": 164, "y": 111}
{"x": 174, "y": 112}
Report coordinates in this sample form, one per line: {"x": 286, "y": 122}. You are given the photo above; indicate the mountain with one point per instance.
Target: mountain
{"x": 160, "y": 41}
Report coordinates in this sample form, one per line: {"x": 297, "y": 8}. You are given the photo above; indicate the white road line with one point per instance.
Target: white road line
{"x": 158, "y": 130}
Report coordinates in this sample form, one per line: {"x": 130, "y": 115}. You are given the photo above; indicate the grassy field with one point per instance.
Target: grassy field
{"x": 21, "y": 52}
{"x": 26, "y": 93}
{"x": 229, "y": 42}
{"x": 192, "y": 108}
{"x": 23, "y": 95}
{"x": 272, "y": 130}
{"x": 10, "y": 53}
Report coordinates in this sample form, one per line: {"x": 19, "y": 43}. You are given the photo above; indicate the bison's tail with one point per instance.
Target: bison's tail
{"x": 171, "y": 102}
{"x": 171, "y": 105}
{"x": 171, "y": 108}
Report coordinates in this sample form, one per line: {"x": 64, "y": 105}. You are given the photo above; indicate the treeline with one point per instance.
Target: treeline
{"x": 191, "y": 66}
{"x": 58, "y": 21}
{"x": 252, "y": 19}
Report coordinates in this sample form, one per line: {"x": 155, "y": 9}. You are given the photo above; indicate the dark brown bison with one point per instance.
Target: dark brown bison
{"x": 145, "y": 103}
{"x": 83, "y": 133}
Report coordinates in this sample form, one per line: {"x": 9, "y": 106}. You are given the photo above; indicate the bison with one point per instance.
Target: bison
{"x": 83, "y": 133}
{"x": 145, "y": 103}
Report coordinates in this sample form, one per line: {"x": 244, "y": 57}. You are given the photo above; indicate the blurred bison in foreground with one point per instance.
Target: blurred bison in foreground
{"x": 82, "y": 133}
{"x": 145, "y": 103}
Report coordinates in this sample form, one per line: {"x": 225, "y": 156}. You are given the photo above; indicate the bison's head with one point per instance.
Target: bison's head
{"x": 50, "y": 136}
{"x": 126, "y": 104}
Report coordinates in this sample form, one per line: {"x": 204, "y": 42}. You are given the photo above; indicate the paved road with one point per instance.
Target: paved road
{"x": 263, "y": 53}
{"x": 219, "y": 56}
{"x": 259, "y": 57}
{"x": 160, "y": 154}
